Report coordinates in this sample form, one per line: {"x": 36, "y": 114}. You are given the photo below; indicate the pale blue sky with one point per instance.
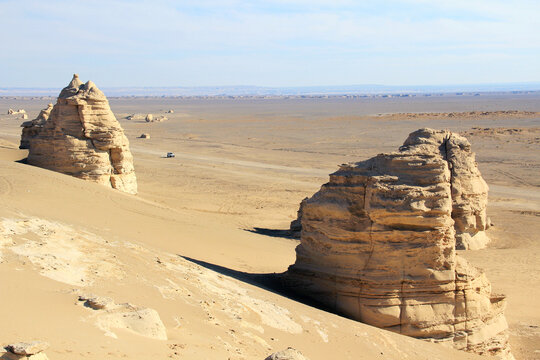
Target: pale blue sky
{"x": 268, "y": 43}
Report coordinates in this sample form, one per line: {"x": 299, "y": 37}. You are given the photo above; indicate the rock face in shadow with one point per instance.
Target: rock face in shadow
{"x": 33, "y": 127}
{"x": 82, "y": 138}
{"x": 378, "y": 245}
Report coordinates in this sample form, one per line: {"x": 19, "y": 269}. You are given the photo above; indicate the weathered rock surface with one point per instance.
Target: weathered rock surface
{"x": 296, "y": 224}
{"x": 15, "y": 112}
{"x": 378, "y": 245}
{"x": 33, "y": 127}
{"x": 12, "y": 356}
{"x": 469, "y": 190}
{"x": 139, "y": 320}
{"x": 82, "y": 138}
{"x": 27, "y": 348}
{"x": 152, "y": 118}
{"x": 287, "y": 354}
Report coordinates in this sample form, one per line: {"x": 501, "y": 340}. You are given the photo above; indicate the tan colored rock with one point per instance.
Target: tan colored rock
{"x": 97, "y": 302}
{"x": 378, "y": 245}
{"x": 15, "y": 112}
{"x": 24, "y": 116}
{"x": 469, "y": 190}
{"x": 32, "y": 128}
{"x": 139, "y": 320}
{"x": 151, "y": 118}
{"x": 11, "y": 356}
{"x": 27, "y": 348}
{"x": 171, "y": 111}
{"x": 82, "y": 138}
{"x": 287, "y": 354}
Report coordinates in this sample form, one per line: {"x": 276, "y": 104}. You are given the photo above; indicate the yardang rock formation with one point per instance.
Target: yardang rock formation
{"x": 33, "y": 127}
{"x": 378, "y": 245}
{"x": 82, "y": 138}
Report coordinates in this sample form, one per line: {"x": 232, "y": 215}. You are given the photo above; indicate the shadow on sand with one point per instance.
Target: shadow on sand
{"x": 287, "y": 234}
{"x": 273, "y": 282}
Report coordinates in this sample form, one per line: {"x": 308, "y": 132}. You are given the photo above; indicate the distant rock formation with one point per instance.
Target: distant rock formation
{"x": 82, "y": 138}
{"x": 151, "y": 118}
{"x": 15, "y": 112}
{"x": 33, "y": 127}
{"x": 378, "y": 245}
{"x": 469, "y": 190}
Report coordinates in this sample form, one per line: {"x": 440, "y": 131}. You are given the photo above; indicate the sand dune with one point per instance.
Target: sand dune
{"x": 179, "y": 251}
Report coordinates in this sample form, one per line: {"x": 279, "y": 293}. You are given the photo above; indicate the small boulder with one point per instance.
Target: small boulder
{"x": 24, "y": 116}
{"x": 287, "y": 354}
{"x": 27, "y": 348}
{"x": 97, "y": 302}
{"x": 171, "y": 111}
{"x": 145, "y": 136}
{"x": 149, "y": 118}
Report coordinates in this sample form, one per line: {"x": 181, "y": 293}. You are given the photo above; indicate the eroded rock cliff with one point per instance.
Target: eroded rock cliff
{"x": 82, "y": 138}
{"x": 378, "y": 245}
{"x": 469, "y": 190}
{"x": 33, "y": 127}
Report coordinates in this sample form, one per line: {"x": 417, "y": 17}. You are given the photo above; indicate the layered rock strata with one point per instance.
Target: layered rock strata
{"x": 378, "y": 245}
{"x": 82, "y": 138}
{"x": 33, "y": 127}
{"x": 469, "y": 190}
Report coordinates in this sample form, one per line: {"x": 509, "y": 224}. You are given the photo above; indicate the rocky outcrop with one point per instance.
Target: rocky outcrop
{"x": 136, "y": 319}
{"x": 15, "y": 112}
{"x": 26, "y": 350}
{"x": 469, "y": 190}
{"x": 82, "y": 138}
{"x": 469, "y": 193}
{"x": 378, "y": 245}
{"x": 287, "y": 354}
{"x": 151, "y": 118}
{"x": 296, "y": 225}
{"x": 33, "y": 127}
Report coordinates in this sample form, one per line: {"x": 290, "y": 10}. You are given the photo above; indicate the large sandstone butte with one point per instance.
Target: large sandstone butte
{"x": 378, "y": 245}
{"x": 468, "y": 188}
{"x": 82, "y": 138}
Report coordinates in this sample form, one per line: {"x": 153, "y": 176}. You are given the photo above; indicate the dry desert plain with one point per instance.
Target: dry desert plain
{"x": 175, "y": 268}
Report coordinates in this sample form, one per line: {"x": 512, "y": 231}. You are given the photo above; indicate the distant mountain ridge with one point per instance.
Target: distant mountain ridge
{"x": 366, "y": 89}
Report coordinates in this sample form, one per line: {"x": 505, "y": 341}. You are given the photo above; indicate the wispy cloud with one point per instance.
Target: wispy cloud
{"x": 275, "y": 42}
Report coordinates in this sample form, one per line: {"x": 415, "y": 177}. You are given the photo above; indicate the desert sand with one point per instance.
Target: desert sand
{"x": 177, "y": 271}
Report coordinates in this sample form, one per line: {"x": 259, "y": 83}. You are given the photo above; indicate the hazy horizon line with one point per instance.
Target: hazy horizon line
{"x": 257, "y": 90}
